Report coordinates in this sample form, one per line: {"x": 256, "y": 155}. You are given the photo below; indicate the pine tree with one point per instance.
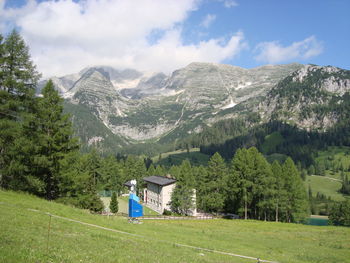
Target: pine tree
{"x": 182, "y": 201}
{"x": 214, "y": 193}
{"x": 113, "y": 206}
{"x": 296, "y": 205}
{"x": 18, "y": 78}
{"x": 340, "y": 213}
{"x": 54, "y": 139}
{"x": 111, "y": 174}
{"x": 280, "y": 192}
{"x": 240, "y": 182}
{"x": 77, "y": 182}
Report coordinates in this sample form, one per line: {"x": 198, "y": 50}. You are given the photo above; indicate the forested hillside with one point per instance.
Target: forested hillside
{"x": 250, "y": 173}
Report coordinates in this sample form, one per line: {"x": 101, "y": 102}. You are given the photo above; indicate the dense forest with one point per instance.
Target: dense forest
{"x": 40, "y": 155}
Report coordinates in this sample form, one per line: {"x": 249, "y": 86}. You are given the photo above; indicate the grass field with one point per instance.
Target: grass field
{"x": 336, "y": 153}
{"x": 325, "y": 186}
{"x": 176, "y": 157}
{"x": 271, "y": 142}
{"x": 24, "y": 235}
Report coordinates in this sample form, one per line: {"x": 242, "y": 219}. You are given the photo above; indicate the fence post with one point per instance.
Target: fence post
{"x": 48, "y": 233}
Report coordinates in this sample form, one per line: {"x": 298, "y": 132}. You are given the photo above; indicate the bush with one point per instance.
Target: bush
{"x": 340, "y": 214}
{"x": 113, "y": 206}
{"x": 167, "y": 212}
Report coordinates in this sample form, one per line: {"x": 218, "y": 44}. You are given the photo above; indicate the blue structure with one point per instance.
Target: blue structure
{"x": 135, "y": 208}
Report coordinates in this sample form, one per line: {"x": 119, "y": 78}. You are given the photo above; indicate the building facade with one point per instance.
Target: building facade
{"x": 157, "y": 194}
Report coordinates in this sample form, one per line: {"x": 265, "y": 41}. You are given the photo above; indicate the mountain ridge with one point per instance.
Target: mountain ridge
{"x": 156, "y": 107}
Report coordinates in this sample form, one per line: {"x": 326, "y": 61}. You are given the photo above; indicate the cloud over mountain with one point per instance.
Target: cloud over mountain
{"x": 274, "y": 52}
{"x": 65, "y": 35}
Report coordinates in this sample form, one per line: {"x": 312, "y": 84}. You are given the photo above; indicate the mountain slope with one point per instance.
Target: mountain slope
{"x": 313, "y": 98}
{"x": 144, "y": 107}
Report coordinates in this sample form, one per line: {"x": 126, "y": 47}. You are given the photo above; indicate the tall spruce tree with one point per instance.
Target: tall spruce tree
{"x": 213, "y": 194}
{"x": 54, "y": 139}
{"x": 241, "y": 182}
{"x": 263, "y": 185}
{"x": 280, "y": 193}
{"x": 18, "y": 78}
{"x": 296, "y": 207}
{"x": 77, "y": 182}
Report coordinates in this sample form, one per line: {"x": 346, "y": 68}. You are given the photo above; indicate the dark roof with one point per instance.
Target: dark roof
{"x": 128, "y": 184}
{"x": 159, "y": 180}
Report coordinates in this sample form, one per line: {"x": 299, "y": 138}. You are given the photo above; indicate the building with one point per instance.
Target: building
{"x": 157, "y": 194}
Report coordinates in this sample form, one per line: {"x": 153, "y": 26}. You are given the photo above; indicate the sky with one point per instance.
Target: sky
{"x": 65, "y": 36}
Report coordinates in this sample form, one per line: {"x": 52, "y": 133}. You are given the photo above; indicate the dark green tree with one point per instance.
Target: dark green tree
{"x": 340, "y": 214}
{"x": 241, "y": 181}
{"x": 296, "y": 205}
{"x": 182, "y": 198}
{"x": 53, "y": 139}
{"x": 280, "y": 191}
{"x": 77, "y": 184}
{"x": 111, "y": 174}
{"x": 113, "y": 206}
{"x": 18, "y": 78}
{"x": 213, "y": 194}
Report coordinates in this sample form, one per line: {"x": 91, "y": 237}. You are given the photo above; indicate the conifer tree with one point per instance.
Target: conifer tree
{"x": 77, "y": 184}
{"x": 214, "y": 193}
{"x": 263, "y": 185}
{"x": 113, "y": 206}
{"x": 182, "y": 198}
{"x": 240, "y": 182}
{"x": 280, "y": 192}
{"x": 54, "y": 139}
{"x": 111, "y": 174}
{"x": 18, "y": 78}
{"x": 296, "y": 201}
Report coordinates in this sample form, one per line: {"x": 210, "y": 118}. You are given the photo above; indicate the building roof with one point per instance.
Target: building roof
{"x": 128, "y": 184}
{"x": 159, "y": 180}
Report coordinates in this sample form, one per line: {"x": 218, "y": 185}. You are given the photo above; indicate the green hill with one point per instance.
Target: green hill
{"x": 177, "y": 157}
{"x": 78, "y": 236}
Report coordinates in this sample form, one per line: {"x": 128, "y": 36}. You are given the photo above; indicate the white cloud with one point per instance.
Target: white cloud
{"x": 65, "y": 36}
{"x": 229, "y": 3}
{"x": 273, "y": 52}
{"x": 208, "y": 20}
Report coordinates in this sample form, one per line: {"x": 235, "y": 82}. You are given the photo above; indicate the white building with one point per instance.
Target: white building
{"x": 157, "y": 194}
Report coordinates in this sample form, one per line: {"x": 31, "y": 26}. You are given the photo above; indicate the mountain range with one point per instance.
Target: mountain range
{"x": 113, "y": 109}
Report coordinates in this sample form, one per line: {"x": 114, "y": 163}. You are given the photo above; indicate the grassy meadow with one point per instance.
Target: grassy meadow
{"x": 24, "y": 233}
{"x": 177, "y": 157}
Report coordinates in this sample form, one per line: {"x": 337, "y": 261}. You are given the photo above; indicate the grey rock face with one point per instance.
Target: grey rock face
{"x": 142, "y": 106}
{"x": 303, "y": 98}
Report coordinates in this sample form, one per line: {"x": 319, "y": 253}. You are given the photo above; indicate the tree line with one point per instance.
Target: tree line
{"x": 248, "y": 186}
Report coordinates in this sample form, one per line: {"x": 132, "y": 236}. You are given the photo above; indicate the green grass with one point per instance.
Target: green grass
{"x": 23, "y": 237}
{"x": 335, "y": 155}
{"x": 177, "y": 157}
{"x": 271, "y": 142}
{"x": 325, "y": 186}
{"x": 123, "y": 206}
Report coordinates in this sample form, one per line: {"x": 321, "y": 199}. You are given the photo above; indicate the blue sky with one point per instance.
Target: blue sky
{"x": 65, "y": 36}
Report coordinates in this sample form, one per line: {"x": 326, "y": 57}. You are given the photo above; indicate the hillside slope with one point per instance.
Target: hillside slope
{"x": 24, "y": 232}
